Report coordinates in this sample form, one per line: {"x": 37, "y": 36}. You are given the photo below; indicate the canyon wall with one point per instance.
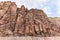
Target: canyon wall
{"x": 24, "y": 22}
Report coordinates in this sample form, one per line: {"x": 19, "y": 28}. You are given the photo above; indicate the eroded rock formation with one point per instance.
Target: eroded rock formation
{"x": 56, "y": 25}
{"x": 7, "y": 18}
{"x": 23, "y": 22}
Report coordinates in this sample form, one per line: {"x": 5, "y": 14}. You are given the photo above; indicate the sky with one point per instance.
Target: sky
{"x": 50, "y": 7}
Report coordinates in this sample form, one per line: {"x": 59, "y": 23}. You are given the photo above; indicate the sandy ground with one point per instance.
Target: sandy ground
{"x": 29, "y": 38}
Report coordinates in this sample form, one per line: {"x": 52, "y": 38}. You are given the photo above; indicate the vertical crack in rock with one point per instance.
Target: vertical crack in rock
{"x": 15, "y": 22}
{"x": 8, "y": 11}
{"x": 20, "y": 26}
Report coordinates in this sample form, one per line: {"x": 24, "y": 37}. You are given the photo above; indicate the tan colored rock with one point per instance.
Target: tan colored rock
{"x": 23, "y": 9}
{"x": 56, "y": 26}
{"x": 23, "y": 22}
{"x": 19, "y": 28}
{"x": 33, "y": 22}
{"x": 29, "y": 23}
{"x": 7, "y": 17}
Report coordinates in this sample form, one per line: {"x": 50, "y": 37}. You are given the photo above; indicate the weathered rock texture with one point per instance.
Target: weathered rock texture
{"x": 7, "y": 18}
{"x": 56, "y": 22}
{"x": 23, "y": 22}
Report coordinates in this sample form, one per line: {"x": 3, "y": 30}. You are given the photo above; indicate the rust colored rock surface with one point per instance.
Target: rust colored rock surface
{"x": 19, "y": 28}
{"x": 56, "y": 25}
{"x": 32, "y": 23}
{"x": 23, "y": 22}
{"x": 7, "y": 18}
{"x": 23, "y": 9}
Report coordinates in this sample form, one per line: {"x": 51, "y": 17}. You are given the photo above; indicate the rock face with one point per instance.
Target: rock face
{"x": 56, "y": 25}
{"x": 23, "y": 22}
{"x": 7, "y": 18}
{"x": 55, "y": 20}
{"x": 33, "y": 22}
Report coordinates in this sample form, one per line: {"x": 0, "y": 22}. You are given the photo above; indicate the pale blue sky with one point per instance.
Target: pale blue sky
{"x": 50, "y": 7}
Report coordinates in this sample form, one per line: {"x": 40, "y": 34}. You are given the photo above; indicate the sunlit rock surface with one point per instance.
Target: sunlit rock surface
{"x": 24, "y": 22}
